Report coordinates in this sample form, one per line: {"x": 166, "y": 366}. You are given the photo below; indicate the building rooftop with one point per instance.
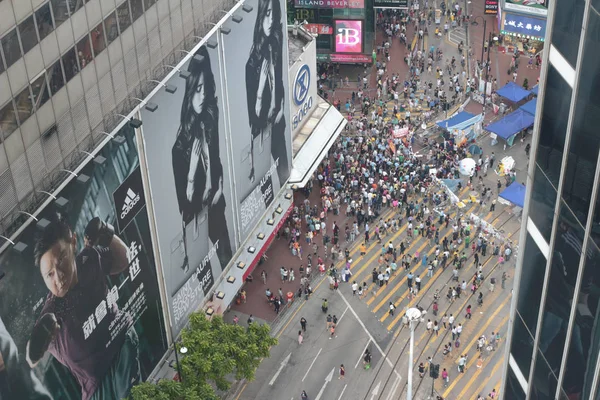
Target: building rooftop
{"x": 296, "y": 43}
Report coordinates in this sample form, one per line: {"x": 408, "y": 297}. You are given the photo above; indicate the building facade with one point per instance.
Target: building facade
{"x": 553, "y": 340}
{"x": 67, "y": 68}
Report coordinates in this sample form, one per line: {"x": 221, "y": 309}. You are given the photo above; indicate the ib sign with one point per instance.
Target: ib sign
{"x": 348, "y": 36}
{"x": 301, "y": 96}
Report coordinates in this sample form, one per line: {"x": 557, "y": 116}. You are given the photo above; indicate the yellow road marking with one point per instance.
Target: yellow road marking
{"x": 481, "y": 332}
{"x": 484, "y": 382}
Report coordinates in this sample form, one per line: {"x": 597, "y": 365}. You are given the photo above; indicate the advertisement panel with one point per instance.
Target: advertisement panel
{"x": 81, "y": 316}
{"x": 516, "y": 24}
{"x": 303, "y": 87}
{"x": 319, "y": 29}
{"x": 402, "y": 4}
{"x": 186, "y": 152}
{"x": 256, "y": 66}
{"x": 491, "y": 7}
{"x": 348, "y": 36}
{"x": 534, "y": 7}
{"x": 329, "y": 3}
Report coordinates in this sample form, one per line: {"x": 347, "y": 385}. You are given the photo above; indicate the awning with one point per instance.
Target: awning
{"x": 456, "y": 121}
{"x": 529, "y": 106}
{"x": 513, "y": 92}
{"x": 535, "y": 90}
{"x": 512, "y": 124}
{"x": 314, "y": 141}
{"x": 515, "y": 193}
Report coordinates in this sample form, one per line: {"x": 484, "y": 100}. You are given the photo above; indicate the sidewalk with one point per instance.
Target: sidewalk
{"x": 279, "y": 255}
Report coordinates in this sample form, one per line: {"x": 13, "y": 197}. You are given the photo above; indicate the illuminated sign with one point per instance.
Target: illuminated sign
{"x": 319, "y": 29}
{"x": 348, "y": 36}
{"x": 402, "y": 4}
{"x": 329, "y": 3}
{"x": 350, "y": 58}
{"x": 535, "y": 7}
{"x": 491, "y": 7}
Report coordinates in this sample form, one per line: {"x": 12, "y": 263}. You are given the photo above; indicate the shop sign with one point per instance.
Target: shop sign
{"x": 319, "y": 29}
{"x": 402, "y": 4}
{"x": 301, "y": 95}
{"x": 534, "y": 7}
{"x": 350, "y": 58}
{"x": 523, "y": 26}
{"x": 491, "y": 7}
{"x": 323, "y": 57}
{"x": 329, "y": 3}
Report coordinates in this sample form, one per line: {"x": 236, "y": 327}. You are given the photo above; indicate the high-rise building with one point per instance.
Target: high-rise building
{"x": 67, "y": 69}
{"x": 553, "y": 339}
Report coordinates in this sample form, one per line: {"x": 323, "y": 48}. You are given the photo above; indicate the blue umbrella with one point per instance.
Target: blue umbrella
{"x": 474, "y": 149}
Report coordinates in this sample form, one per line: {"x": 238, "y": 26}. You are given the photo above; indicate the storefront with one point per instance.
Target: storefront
{"x": 524, "y": 33}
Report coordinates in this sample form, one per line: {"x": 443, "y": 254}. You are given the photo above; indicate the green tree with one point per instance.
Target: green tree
{"x": 215, "y": 350}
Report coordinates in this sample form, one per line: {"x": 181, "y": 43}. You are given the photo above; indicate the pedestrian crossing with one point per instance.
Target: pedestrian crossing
{"x": 396, "y": 291}
{"x": 457, "y": 35}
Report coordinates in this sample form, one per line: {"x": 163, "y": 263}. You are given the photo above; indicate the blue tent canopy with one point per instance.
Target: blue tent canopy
{"x": 515, "y": 193}
{"x": 513, "y": 92}
{"x": 512, "y": 124}
{"x": 530, "y": 106}
{"x": 458, "y": 119}
{"x": 535, "y": 89}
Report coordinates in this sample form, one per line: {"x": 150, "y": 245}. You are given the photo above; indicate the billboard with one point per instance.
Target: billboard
{"x": 403, "y": 4}
{"x": 318, "y": 29}
{"x": 186, "y": 152}
{"x": 491, "y": 7}
{"x": 81, "y": 316}
{"x": 329, "y": 3}
{"x": 348, "y": 36}
{"x": 256, "y": 65}
{"x": 533, "y": 7}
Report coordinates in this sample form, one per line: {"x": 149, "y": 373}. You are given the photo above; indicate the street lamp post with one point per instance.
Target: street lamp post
{"x": 183, "y": 350}
{"x": 413, "y": 315}
{"x": 487, "y": 69}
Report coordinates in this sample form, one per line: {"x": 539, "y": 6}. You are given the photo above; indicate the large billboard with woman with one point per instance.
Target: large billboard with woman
{"x": 256, "y": 66}
{"x": 80, "y": 309}
{"x": 186, "y": 152}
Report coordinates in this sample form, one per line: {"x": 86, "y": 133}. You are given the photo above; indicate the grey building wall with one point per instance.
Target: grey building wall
{"x": 67, "y": 67}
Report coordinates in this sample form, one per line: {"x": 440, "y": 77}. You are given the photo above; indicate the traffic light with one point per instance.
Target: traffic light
{"x": 434, "y": 371}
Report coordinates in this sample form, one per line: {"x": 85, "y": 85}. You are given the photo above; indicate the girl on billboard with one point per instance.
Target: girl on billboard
{"x": 264, "y": 86}
{"x": 197, "y": 165}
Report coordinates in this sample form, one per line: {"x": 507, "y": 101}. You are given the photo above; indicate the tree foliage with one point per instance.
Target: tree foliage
{"x": 215, "y": 350}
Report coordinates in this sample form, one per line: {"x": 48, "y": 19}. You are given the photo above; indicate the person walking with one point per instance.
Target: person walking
{"x": 392, "y": 308}
{"x": 303, "y": 395}
{"x": 462, "y": 361}
{"x": 300, "y": 337}
{"x": 468, "y": 315}
{"x": 303, "y": 324}
{"x": 504, "y": 278}
{"x": 354, "y": 288}
{"x": 342, "y": 371}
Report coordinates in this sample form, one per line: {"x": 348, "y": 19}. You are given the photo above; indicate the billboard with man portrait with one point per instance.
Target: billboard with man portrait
{"x": 188, "y": 172}
{"x": 256, "y": 65}
{"x": 81, "y": 316}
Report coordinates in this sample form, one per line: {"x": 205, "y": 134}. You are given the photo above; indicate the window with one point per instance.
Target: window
{"x": 124, "y": 16}
{"x": 27, "y": 32}
{"x": 10, "y": 45}
{"x": 137, "y": 9}
{"x": 8, "y": 120}
{"x": 55, "y": 77}
{"x": 74, "y": 5}
{"x": 24, "y": 105}
{"x": 148, "y": 4}
{"x": 98, "y": 41}
{"x": 39, "y": 89}
{"x": 60, "y": 11}
{"x": 84, "y": 51}
{"x": 112, "y": 30}
{"x": 43, "y": 18}
{"x": 70, "y": 64}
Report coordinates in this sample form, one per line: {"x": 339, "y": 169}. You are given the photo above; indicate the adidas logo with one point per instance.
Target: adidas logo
{"x": 131, "y": 200}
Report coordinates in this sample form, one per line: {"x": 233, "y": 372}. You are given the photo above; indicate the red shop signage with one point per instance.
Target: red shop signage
{"x": 350, "y": 58}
